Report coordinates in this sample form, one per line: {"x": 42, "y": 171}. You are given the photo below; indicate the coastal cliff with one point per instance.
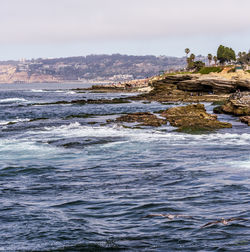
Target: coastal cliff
{"x": 10, "y": 74}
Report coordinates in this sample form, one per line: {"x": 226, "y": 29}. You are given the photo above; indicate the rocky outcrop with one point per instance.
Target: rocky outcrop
{"x": 189, "y": 119}
{"x": 182, "y": 87}
{"x": 207, "y": 83}
{"x": 214, "y": 85}
{"x": 193, "y": 118}
{"x": 238, "y": 104}
{"x": 175, "y": 79}
{"x": 144, "y": 118}
{"x": 84, "y": 102}
{"x": 245, "y": 119}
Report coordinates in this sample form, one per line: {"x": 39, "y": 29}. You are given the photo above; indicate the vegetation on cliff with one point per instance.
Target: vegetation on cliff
{"x": 225, "y": 54}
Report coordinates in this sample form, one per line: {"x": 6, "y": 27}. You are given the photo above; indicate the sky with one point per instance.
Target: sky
{"x": 61, "y": 28}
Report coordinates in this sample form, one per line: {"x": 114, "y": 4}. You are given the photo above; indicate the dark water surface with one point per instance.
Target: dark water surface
{"x": 68, "y": 185}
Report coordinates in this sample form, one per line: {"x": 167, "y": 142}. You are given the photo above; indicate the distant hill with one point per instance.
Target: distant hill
{"x": 114, "y": 67}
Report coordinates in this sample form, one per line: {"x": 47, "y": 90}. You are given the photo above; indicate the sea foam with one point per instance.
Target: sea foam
{"x": 13, "y": 100}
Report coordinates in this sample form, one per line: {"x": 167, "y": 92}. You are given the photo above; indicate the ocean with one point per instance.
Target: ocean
{"x": 71, "y": 182}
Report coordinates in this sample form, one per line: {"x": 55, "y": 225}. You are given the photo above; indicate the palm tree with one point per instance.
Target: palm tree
{"x": 187, "y": 51}
{"x": 209, "y": 57}
{"x": 215, "y": 60}
{"x": 192, "y": 57}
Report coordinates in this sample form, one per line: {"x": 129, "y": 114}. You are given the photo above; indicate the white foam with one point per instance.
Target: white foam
{"x": 244, "y": 164}
{"x": 37, "y": 90}
{"x": 24, "y": 149}
{"x": 63, "y": 128}
{"x": 146, "y": 135}
{"x": 14, "y": 121}
{"x": 10, "y": 100}
{"x": 71, "y": 92}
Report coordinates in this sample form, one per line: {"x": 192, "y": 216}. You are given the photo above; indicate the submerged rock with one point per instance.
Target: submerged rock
{"x": 144, "y": 118}
{"x": 193, "y": 118}
{"x": 82, "y": 142}
{"x": 89, "y": 101}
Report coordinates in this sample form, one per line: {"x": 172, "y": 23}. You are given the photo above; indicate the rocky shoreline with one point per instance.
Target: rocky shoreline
{"x": 231, "y": 91}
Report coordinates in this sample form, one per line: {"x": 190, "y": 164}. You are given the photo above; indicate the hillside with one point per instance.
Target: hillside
{"x": 112, "y": 68}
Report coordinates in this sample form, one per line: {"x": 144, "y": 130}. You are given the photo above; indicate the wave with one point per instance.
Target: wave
{"x": 241, "y": 165}
{"x": 71, "y": 92}
{"x": 14, "y": 121}
{"x": 51, "y": 91}
{"x": 37, "y": 90}
{"x": 13, "y": 100}
{"x": 146, "y": 135}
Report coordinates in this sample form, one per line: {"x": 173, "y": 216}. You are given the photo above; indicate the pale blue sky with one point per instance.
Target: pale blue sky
{"x": 58, "y": 28}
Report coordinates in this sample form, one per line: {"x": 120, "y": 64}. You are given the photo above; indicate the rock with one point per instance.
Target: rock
{"x": 174, "y": 79}
{"x": 217, "y": 110}
{"x": 101, "y": 101}
{"x": 214, "y": 85}
{"x": 243, "y": 85}
{"x": 193, "y": 118}
{"x": 238, "y": 104}
{"x": 219, "y": 85}
{"x": 193, "y": 86}
{"x": 144, "y": 118}
{"x": 245, "y": 119}
{"x": 90, "y": 101}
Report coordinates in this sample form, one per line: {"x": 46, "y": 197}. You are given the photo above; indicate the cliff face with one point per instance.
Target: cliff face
{"x": 208, "y": 83}
{"x": 10, "y": 74}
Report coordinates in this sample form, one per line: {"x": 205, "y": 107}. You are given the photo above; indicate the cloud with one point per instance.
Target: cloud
{"x": 68, "y": 21}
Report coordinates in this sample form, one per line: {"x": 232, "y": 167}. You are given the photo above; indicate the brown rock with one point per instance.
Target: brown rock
{"x": 145, "y": 118}
{"x": 238, "y": 104}
{"x": 245, "y": 119}
{"x": 193, "y": 118}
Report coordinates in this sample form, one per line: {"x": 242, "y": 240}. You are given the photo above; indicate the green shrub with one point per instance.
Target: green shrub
{"x": 207, "y": 70}
{"x": 248, "y": 71}
{"x": 181, "y": 72}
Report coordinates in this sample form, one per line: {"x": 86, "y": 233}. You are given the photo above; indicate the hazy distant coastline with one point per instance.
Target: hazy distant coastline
{"x": 92, "y": 68}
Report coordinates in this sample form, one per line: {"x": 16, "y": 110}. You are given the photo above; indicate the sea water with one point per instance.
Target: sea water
{"x": 71, "y": 182}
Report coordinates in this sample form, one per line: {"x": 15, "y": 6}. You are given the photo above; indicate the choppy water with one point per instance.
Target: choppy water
{"x": 67, "y": 185}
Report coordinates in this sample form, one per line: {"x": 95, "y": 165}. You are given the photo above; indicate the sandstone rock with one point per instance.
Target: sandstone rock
{"x": 245, "y": 119}
{"x": 193, "y": 118}
{"x": 144, "y": 118}
{"x": 178, "y": 77}
{"x": 214, "y": 85}
{"x": 217, "y": 110}
{"x": 238, "y": 104}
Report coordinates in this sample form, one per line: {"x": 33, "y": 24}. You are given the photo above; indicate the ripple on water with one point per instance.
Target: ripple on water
{"x": 68, "y": 186}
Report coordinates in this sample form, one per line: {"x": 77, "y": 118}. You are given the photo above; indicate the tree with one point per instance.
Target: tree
{"x": 187, "y": 51}
{"x": 194, "y": 65}
{"x": 215, "y": 60}
{"x": 243, "y": 58}
{"x": 209, "y": 57}
{"x": 198, "y": 65}
{"x": 225, "y": 54}
{"x": 190, "y": 61}
{"x": 192, "y": 57}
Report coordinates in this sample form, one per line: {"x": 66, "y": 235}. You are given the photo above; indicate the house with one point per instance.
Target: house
{"x": 239, "y": 69}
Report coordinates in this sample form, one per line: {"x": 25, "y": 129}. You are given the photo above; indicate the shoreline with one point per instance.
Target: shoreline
{"x": 61, "y": 82}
